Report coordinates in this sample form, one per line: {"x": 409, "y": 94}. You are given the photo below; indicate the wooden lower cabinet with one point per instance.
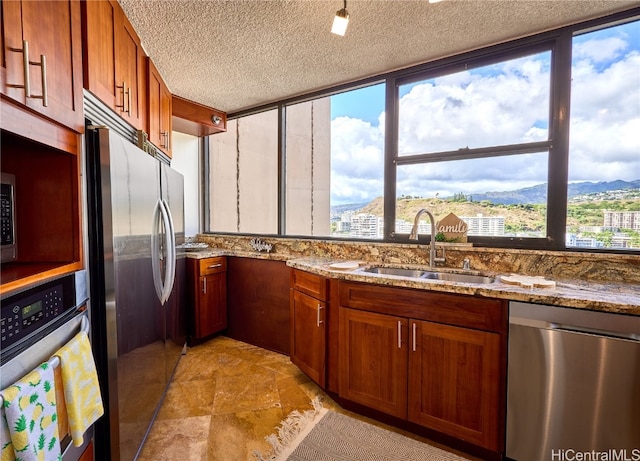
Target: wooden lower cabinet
{"x": 454, "y": 381}
{"x": 258, "y": 300}
{"x": 208, "y": 281}
{"x": 373, "y": 360}
{"x": 308, "y": 335}
{"x": 87, "y": 454}
{"x": 399, "y": 355}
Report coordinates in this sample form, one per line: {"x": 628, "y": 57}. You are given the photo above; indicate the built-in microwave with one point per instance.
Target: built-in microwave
{"x": 8, "y": 249}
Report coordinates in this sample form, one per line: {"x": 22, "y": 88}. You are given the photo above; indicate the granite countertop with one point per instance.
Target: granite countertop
{"x": 607, "y": 297}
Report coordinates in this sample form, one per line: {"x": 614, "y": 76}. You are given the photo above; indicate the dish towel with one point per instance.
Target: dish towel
{"x": 30, "y": 408}
{"x": 5, "y": 444}
{"x": 80, "y": 385}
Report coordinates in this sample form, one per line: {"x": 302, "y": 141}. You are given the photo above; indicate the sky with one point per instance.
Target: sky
{"x": 510, "y": 105}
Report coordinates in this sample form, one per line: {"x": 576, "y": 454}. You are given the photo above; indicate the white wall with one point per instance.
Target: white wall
{"x": 186, "y": 160}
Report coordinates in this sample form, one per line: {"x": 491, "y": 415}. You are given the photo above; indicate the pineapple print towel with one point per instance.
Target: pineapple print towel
{"x": 80, "y": 383}
{"x": 5, "y": 442}
{"x": 30, "y": 408}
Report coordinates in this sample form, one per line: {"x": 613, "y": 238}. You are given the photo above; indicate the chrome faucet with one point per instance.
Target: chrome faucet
{"x": 432, "y": 245}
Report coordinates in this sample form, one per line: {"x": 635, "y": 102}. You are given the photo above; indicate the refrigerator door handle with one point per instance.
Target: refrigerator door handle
{"x": 155, "y": 251}
{"x": 170, "y": 275}
{"x": 163, "y": 288}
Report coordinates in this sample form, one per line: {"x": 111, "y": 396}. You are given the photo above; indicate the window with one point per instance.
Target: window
{"x": 491, "y": 105}
{"x": 476, "y": 143}
{"x": 243, "y": 176}
{"x": 484, "y": 135}
{"x": 603, "y": 209}
{"x": 335, "y": 165}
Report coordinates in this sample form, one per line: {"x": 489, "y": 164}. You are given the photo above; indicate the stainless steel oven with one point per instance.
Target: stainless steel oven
{"x": 36, "y": 322}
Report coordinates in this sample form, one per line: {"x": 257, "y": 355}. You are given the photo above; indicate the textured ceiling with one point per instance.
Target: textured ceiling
{"x": 238, "y": 54}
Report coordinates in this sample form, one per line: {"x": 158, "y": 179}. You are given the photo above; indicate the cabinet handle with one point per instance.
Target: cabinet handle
{"x": 213, "y": 266}
{"x": 43, "y": 75}
{"x": 26, "y": 72}
{"x": 318, "y": 312}
{"x": 165, "y": 139}
{"x": 204, "y": 285}
{"x": 399, "y": 334}
{"x": 123, "y": 87}
{"x": 129, "y": 101}
{"x": 25, "y": 68}
{"x": 414, "y": 336}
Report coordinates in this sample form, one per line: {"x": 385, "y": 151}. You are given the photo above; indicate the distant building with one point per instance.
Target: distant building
{"x": 621, "y": 241}
{"x": 484, "y": 225}
{"x": 622, "y": 219}
{"x": 366, "y": 226}
{"x": 576, "y": 241}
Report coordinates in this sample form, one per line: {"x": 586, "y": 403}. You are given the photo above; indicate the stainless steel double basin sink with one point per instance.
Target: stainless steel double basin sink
{"x": 430, "y": 275}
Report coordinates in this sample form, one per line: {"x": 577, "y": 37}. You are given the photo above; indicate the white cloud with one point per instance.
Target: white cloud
{"x": 357, "y": 160}
{"x": 600, "y": 50}
{"x": 502, "y": 105}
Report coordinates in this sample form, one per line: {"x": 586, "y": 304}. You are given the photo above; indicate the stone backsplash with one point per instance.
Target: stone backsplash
{"x": 552, "y": 264}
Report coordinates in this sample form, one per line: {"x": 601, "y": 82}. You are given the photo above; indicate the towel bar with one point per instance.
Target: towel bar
{"x": 55, "y": 360}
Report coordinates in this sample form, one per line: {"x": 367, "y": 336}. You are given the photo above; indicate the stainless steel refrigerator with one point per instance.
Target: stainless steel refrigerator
{"x": 137, "y": 277}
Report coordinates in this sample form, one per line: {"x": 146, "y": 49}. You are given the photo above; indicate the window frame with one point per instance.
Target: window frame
{"x": 558, "y": 42}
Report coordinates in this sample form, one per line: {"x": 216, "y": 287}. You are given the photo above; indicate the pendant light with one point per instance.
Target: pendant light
{"x": 340, "y": 21}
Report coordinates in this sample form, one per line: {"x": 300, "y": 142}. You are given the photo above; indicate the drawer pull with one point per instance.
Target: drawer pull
{"x": 214, "y": 266}
{"x": 318, "y": 313}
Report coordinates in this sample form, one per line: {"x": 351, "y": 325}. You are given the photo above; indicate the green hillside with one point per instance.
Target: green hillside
{"x": 518, "y": 218}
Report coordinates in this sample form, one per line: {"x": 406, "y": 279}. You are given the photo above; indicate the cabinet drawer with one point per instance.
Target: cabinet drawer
{"x": 212, "y": 265}
{"x": 310, "y": 284}
{"x": 460, "y": 310}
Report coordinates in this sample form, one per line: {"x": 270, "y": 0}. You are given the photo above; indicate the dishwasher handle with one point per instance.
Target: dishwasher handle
{"x": 546, "y": 325}
{"x": 594, "y": 331}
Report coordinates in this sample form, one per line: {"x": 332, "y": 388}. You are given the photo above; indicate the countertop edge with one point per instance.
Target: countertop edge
{"x": 604, "y": 297}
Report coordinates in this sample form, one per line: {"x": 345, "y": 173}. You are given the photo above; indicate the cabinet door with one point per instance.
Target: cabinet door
{"x": 159, "y": 116}
{"x": 454, "y": 381}
{"x": 100, "y": 50}
{"x": 373, "y": 360}
{"x": 211, "y": 312}
{"x": 130, "y": 72}
{"x": 115, "y": 67}
{"x": 308, "y": 335}
{"x": 52, "y": 32}
{"x": 259, "y": 303}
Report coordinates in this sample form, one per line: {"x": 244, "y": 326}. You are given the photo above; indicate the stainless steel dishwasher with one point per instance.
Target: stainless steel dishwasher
{"x": 573, "y": 384}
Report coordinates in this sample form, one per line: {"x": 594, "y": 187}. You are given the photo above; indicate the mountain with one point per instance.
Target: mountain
{"x": 337, "y": 210}
{"x": 538, "y": 194}
{"x": 534, "y": 195}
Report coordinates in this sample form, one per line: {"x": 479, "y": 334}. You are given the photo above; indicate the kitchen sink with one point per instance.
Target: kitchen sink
{"x": 395, "y": 271}
{"x": 430, "y": 275}
{"x": 464, "y": 278}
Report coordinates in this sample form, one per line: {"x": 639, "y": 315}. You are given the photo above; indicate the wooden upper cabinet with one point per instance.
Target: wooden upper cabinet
{"x": 51, "y": 31}
{"x": 159, "y": 116}
{"x": 114, "y": 61}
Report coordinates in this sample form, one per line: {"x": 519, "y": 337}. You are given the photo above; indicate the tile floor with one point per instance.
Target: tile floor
{"x": 225, "y": 398}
